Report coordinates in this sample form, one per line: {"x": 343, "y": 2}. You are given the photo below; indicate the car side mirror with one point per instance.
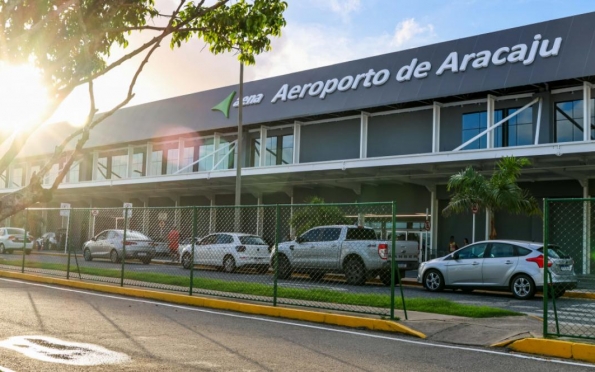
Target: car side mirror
{"x": 455, "y": 255}
{"x": 299, "y": 239}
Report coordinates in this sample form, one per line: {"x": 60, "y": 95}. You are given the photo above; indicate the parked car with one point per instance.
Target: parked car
{"x": 229, "y": 251}
{"x": 352, "y": 250}
{"x": 110, "y": 244}
{"x": 12, "y": 238}
{"x": 52, "y": 240}
{"x": 510, "y": 265}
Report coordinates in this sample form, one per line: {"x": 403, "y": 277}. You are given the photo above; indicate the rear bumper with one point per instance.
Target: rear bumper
{"x": 402, "y": 265}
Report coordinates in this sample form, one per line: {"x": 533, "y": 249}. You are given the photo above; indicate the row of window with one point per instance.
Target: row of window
{"x": 201, "y": 154}
{"x": 518, "y": 131}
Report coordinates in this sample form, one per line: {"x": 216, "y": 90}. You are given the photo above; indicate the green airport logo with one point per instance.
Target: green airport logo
{"x": 226, "y": 104}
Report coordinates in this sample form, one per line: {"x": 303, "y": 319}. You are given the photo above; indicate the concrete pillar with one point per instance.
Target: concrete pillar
{"x": 490, "y": 115}
{"x": 436, "y": 127}
{"x": 297, "y": 135}
{"x": 586, "y": 111}
{"x": 212, "y": 216}
{"x": 259, "y": 216}
{"x": 363, "y": 137}
{"x": 263, "y": 147}
{"x": 488, "y": 222}
{"x": 434, "y": 213}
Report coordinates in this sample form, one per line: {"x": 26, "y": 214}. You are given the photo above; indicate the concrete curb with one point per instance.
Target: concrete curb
{"x": 555, "y": 348}
{"x": 279, "y": 312}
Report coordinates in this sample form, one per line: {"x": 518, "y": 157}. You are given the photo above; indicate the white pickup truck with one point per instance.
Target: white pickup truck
{"x": 350, "y": 250}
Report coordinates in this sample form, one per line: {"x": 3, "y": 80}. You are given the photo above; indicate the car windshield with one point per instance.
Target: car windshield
{"x": 135, "y": 235}
{"x": 252, "y": 240}
{"x": 555, "y": 252}
{"x": 360, "y": 234}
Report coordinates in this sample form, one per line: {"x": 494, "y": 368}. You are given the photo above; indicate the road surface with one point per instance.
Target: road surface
{"x": 157, "y": 337}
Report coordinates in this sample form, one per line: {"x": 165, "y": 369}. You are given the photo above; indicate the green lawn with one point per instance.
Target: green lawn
{"x": 429, "y": 305}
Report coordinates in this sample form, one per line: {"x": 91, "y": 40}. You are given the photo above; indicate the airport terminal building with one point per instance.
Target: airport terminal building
{"x": 384, "y": 128}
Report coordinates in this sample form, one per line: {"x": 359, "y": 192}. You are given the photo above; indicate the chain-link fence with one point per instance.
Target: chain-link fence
{"x": 331, "y": 256}
{"x": 569, "y": 235}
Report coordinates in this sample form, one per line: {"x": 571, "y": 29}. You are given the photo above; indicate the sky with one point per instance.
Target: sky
{"x": 318, "y": 33}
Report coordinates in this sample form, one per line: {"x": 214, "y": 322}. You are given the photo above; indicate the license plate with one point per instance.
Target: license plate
{"x": 141, "y": 254}
{"x": 402, "y": 266}
{"x": 565, "y": 267}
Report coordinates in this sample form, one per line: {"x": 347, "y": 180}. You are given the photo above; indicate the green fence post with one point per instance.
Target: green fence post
{"x": 68, "y": 247}
{"x": 398, "y": 271}
{"x": 194, "y": 232}
{"x": 392, "y": 263}
{"x": 124, "y": 246}
{"x": 25, "y": 236}
{"x": 276, "y": 260}
{"x": 545, "y": 267}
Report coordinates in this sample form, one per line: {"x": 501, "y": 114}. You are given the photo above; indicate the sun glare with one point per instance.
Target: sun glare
{"x": 23, "y": 97}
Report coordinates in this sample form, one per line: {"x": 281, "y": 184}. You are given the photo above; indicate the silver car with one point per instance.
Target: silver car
{"x": 110, "y": 244}
{"x": 11, "y": 238}
{"x": 510, "y": 265}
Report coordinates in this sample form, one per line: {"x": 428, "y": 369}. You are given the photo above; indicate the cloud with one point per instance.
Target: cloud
{"x": 343, "y": 8}
{"x": 409, "y": 32}
{"x": 305, "y": 46}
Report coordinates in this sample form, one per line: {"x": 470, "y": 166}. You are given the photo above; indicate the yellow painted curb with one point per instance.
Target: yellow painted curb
{"x": 588, "y": 296}
{"x": 502, "y": 343}
{"x": 273, "y": 311}
{"x": 555, "y": 348}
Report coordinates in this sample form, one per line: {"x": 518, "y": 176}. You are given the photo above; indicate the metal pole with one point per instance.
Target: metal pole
{"x": 276, "y": 260}
{"x": 194, "y": 228}
{"x": 124, "y": 245}
{"x": 67, "y": 225}
{"x": 238, "y": 200}
{"x": 392, "y": 262}
{"x": 25, "y": 239}
{"x": 66, "y": 247}
{"x": 473, "y": 230}
{"x": 398, "y": 271}
{"x": 545, "y": 261}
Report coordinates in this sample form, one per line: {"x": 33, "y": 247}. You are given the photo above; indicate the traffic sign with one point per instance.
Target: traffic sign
{"x": 129, "y": 206}
{"x": 475, "y": 208}
{"x": 427, "y": 225}
{"x": 64, "y": 209}
{"x": 94, "y": 212}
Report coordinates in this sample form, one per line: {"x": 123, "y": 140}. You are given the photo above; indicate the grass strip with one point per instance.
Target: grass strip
{"x": 428, "y": 305}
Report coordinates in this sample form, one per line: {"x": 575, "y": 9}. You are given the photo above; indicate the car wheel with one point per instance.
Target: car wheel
{"x": 434, "y": 281}
{"x": 355, "y": 272}
{"x": 2, "y": 249}
{"x": 229, "y": 264}
{"x": 522, "y": 287}
{"x": 113, "y": 256}
{"x": 87, "y": 255}
{"x": 385, "y": 278}
{"x": 283, "y": 268}
{"x": 186, "y": 261}
{"x": 146, "y": 260}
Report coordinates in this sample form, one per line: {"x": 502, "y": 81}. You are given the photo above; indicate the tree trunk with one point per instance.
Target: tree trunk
{"x": 24, "y": 198}
{"x": 493, "y": 232}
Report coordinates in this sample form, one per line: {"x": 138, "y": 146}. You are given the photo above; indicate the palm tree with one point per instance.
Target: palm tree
{"x": 316, "y": 213}
{"x": 500, "y": 192}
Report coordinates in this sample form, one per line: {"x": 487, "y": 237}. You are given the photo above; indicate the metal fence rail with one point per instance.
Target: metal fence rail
{"x": 569, "y": 233}
{"x": 329, "y": 256}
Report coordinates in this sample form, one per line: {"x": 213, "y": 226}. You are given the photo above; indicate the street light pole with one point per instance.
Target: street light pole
{"x": 238, "y": 157}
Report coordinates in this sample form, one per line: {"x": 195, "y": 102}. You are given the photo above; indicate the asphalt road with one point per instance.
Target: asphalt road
{"x": 480, "y": 298}
{"x": 158, "y": 337}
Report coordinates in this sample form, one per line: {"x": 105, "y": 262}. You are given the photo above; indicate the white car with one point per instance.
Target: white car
{"x": 229, "y": 251}
{"x": 11, "y": 238}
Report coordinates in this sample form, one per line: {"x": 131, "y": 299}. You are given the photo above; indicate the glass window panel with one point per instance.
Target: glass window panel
{"x": 577, "y": 109}
{"x": 156, "y": 162}
{"x": 187, "y": 159}
{"x": 73, "y": 173}
{"x": 205, "y": 156}
{"x": 17, "y": 177}
{"x": 287, "y": 150}
{"x": 172, "y": 160}
{"x": 271, "y": 151}
{"x": 119, "y": 166}
{"x": 564, "y": 131}
{"x": 225, "y": 155}
{"x": 138, "y": 161}
{"x": 567, "y": 130}
{"x": 256, "y": 152}
{"x": 101, "y": 168}
{"x": 524, "y": 135}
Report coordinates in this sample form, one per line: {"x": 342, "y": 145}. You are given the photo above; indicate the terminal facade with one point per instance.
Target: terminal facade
{"x": 392, "y": 127}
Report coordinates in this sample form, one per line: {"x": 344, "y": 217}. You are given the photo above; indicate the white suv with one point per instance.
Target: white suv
{"x": 228, "y": 250}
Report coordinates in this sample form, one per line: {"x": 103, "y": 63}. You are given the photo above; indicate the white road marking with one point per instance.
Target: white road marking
{"x": 4, "y": 369}
{"x": 343, "y": 331}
